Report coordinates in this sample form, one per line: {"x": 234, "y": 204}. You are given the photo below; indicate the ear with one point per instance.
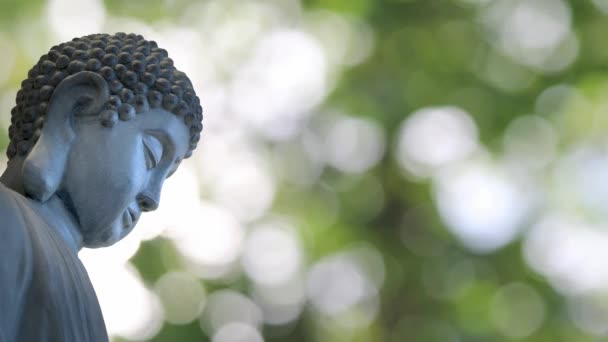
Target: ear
{"x": 82, "y": 94}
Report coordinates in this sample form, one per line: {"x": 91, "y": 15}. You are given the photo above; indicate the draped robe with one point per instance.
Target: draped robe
{"x": 45, "y": 291}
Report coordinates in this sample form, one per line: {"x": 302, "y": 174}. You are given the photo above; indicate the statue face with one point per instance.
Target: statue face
{"x": 112, "y": 175}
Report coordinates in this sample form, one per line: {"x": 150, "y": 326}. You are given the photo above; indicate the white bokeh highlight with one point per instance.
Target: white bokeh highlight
{"x": 536, "y": 33}
{"x": 354, "y": 145}
{"x": 182, "y": 296}
{"x": 434, "y": 137}
{"x": 569, "y": 252}
{"x": 237, "y": 332}
{"x": 590, "y": 313}
{"x": 577, "y": 182}
{"x": 216, "y": 242}
{"x": 281, "y": 83}
{"x": 129, "y": 308}
{"x": 338, "y": 286}
{"x": 530, "y": 142}
{"x": 283, "y": 303}
{"x": 272, "y": 253}
{"x": 481, "y": 204}
{"x": 225, "y": 307}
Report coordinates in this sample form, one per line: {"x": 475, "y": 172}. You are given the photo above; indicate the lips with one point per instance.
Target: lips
{"x": 129, "y": 218}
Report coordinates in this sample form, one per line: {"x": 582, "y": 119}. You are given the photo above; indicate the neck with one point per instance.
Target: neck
{"x": 54, "y": 211}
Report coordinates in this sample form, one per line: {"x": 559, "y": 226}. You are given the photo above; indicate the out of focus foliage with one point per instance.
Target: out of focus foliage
{"x": 389, "y": 170}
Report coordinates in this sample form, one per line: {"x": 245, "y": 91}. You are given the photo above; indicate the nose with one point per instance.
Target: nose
{"x": 149, "y": 197}
{"x": 147, "y": 201}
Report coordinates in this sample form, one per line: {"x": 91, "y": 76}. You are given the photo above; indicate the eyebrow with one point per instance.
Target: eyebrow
{"x": 165, "y": 139}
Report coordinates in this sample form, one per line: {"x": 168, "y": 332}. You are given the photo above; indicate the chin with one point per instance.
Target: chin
{"x": 104, "y": 237}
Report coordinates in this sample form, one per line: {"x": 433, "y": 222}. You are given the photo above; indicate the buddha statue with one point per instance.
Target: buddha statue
{"x": 99, "y": 124}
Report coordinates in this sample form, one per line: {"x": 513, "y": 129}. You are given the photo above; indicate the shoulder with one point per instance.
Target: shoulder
{"x": 15, "y": 249}
{"x": 16, "y": 263}
{"x": 13, "y": 230}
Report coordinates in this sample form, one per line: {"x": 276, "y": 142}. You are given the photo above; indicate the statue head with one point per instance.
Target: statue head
{"x": 100, "y": 122}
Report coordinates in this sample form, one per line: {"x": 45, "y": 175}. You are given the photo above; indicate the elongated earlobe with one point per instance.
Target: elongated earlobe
{"x": 82, "y": 94}
{"x": 42, "y": 172}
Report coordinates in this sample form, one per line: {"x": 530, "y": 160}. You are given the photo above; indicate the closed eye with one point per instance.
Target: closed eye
{"x": 153, "y": 151}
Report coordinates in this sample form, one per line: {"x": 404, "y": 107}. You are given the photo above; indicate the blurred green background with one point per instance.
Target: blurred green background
{"x": 389, "y": 170}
